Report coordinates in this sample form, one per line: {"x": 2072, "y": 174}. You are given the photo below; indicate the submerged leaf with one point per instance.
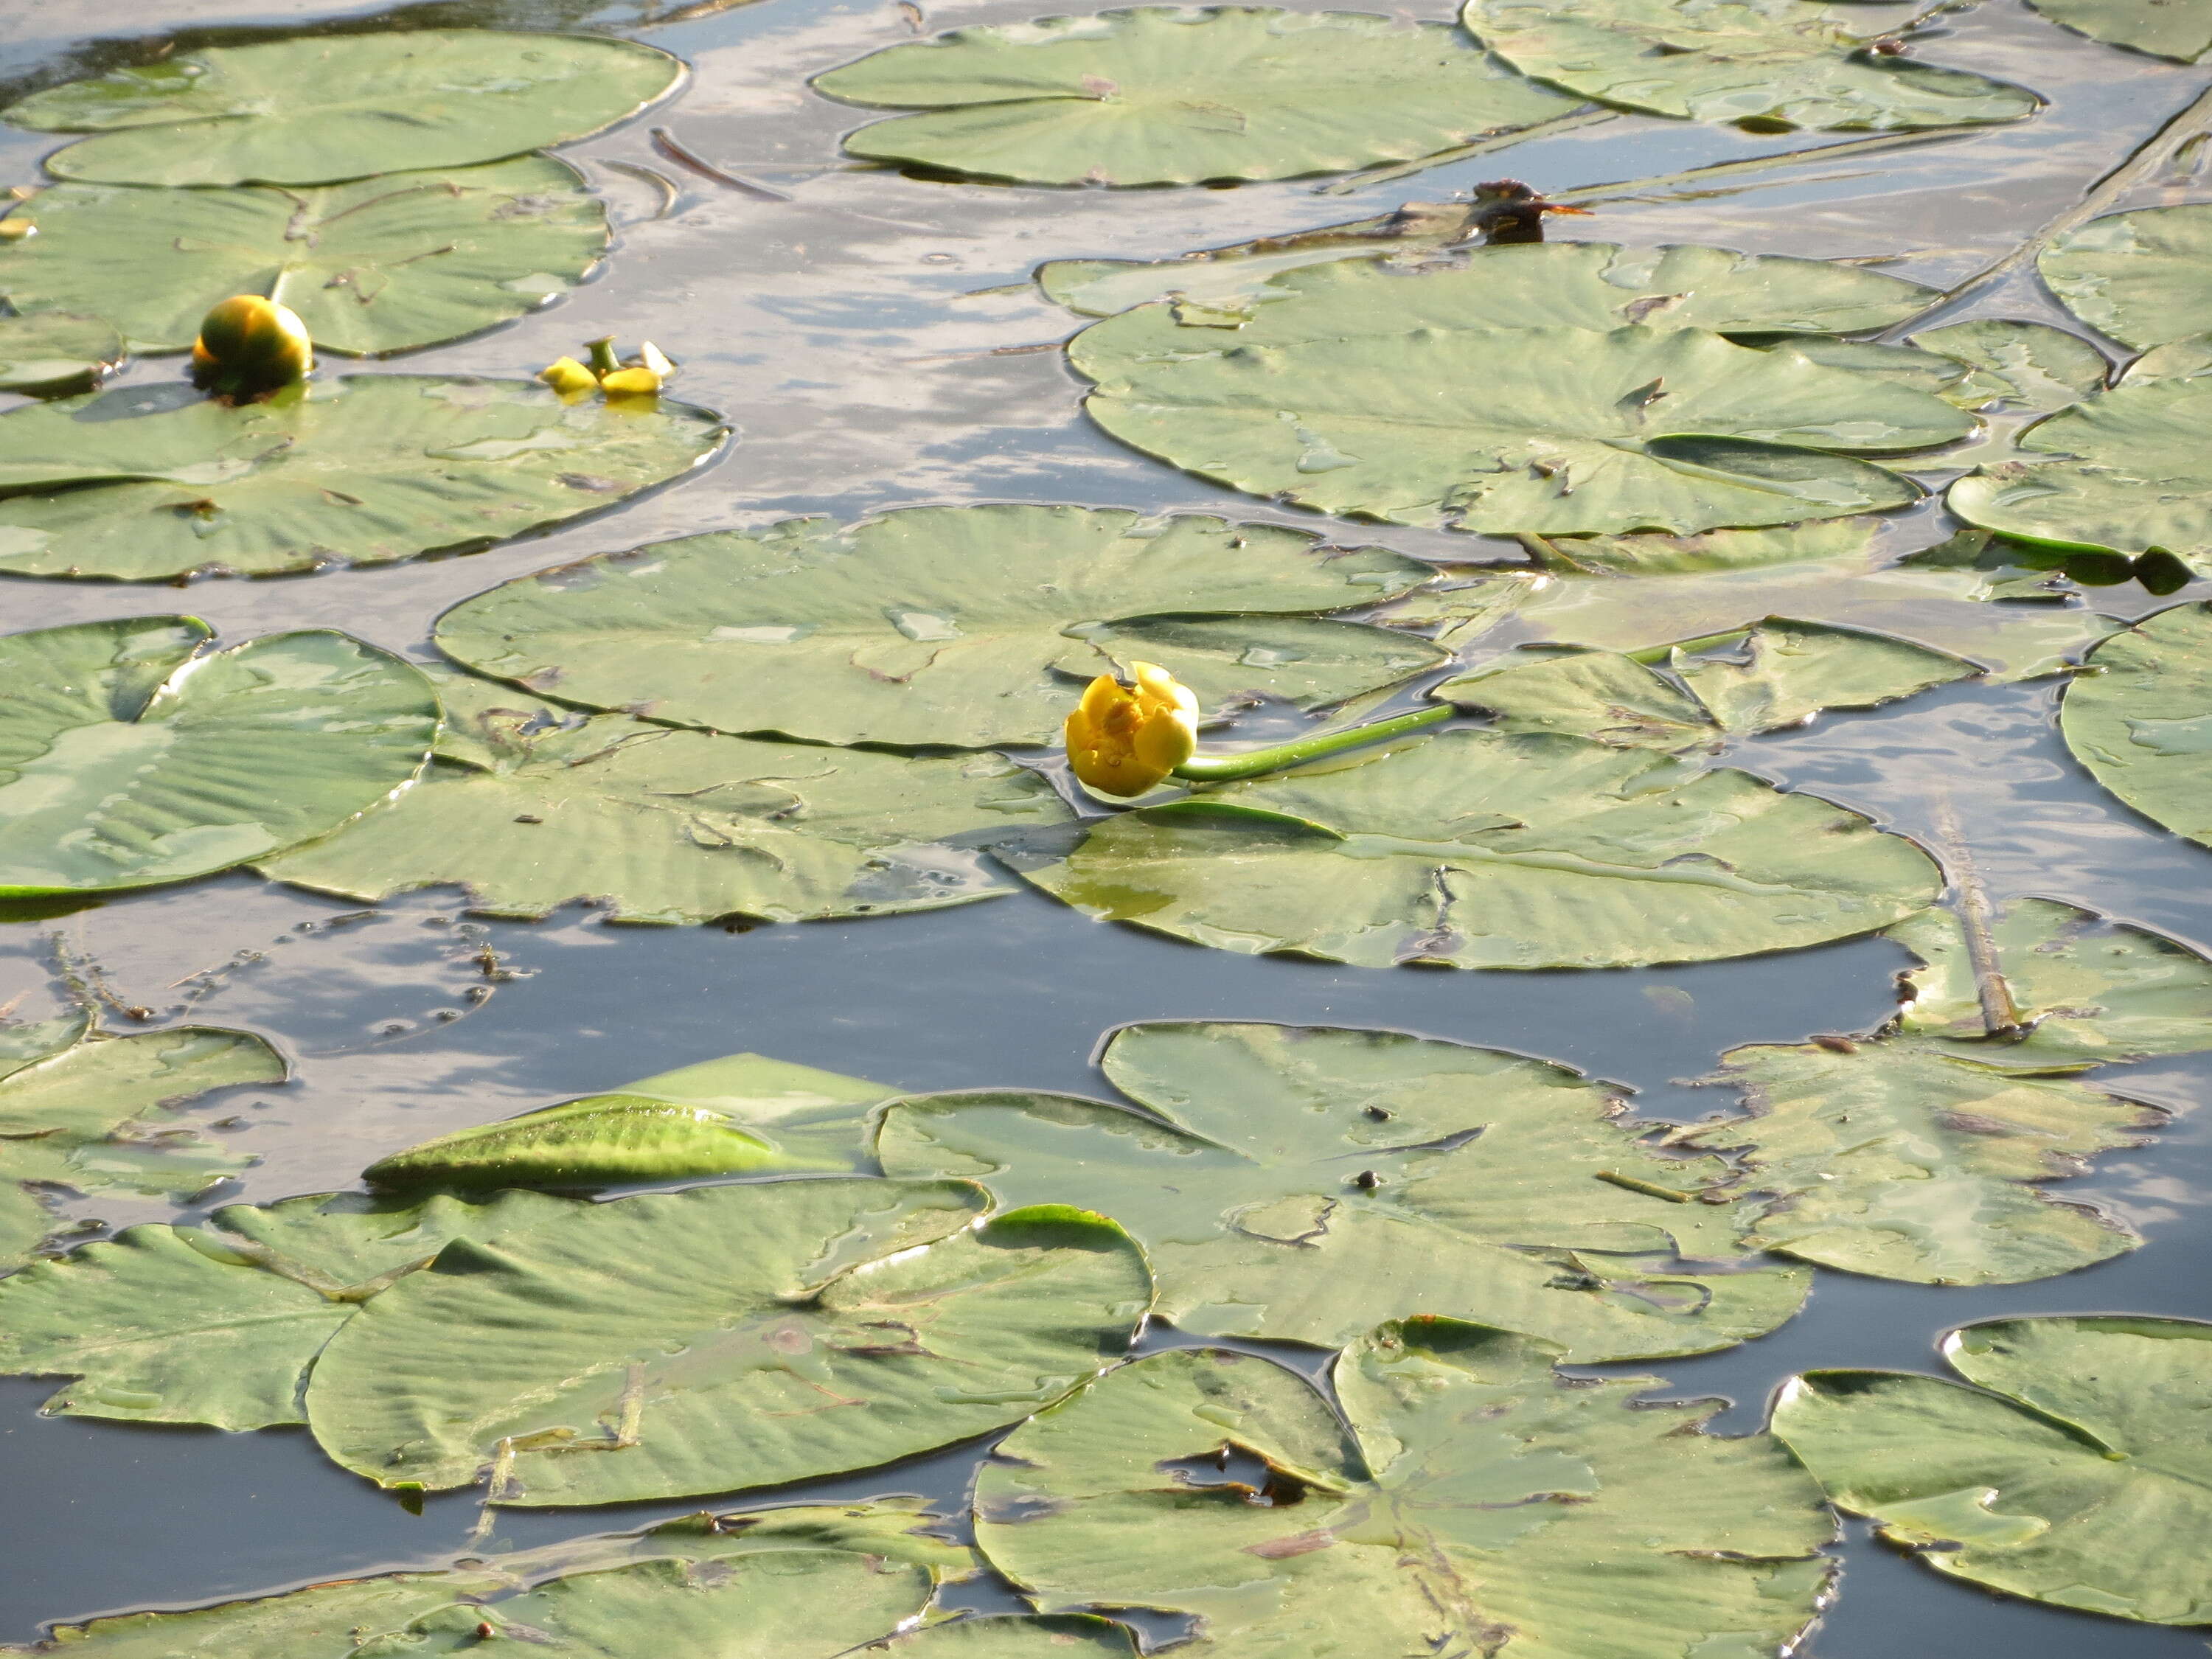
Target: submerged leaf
{"x": 2141, "y": 721}
{"x": 2073, "y": 1471}
{"x": 385, "y": 264}
{"x": 2032, "y": 365}
{"x": 1169, "y": 95}
{"x": 55, "y": 353}
{"x": 956, "y": 626}
{"x": 147, "y": 483}
{"x": 2140, "y": 276}
{"x": 130, "y": 755}
{"x": 2163, "y": 28}
{"x": 322, "y": 107}
{"x": 1479, "y": 1503}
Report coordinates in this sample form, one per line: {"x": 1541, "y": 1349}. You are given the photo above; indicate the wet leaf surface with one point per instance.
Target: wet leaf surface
{"x": 146, "y": 483}
{"x": 55, "y": 352}
{"x": 385, "y": 264}
{"x": 1473, "y": 1500}
{"x": 131, "y": 755}
{"x": 2140, "y": 277}
{"x": 325, "y": 107}
{"x": 2029, "y": 365}
{"x": 2157, "y": 27}
{"x": 1486, "y": 850}
{"x": 722, "y": 1338}
{"x": 2073, "y": 1471}
{"x": 1166, "y": 95}
{"x": 2142, "y": 720}
{"x": 1294, "y": 1183}
{"x": 961, "y": 626}
{"x": 1774, "y": 65}
{"x": 529, "y": 808}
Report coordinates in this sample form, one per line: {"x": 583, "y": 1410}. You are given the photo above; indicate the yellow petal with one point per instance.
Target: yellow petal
{"x": 630, "y": 383}
{"x": 568, "y": 377}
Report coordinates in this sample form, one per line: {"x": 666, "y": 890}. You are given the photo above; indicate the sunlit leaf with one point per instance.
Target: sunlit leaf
{"x": 2164, "y": 28}
{"x": 2142, "y": 720}
{"x": 55, "y": 352}
{"x": 2032, "y": 365}
{"x": 2140, "y": 276}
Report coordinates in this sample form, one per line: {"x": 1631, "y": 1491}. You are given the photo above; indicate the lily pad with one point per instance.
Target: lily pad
{"x": 2141, "y": 720}
{"x": 1479, "y": 849}
{"x": 385, "y": 265}
{"x": 2072, "y": 1471}
{"x": 1293, "y": 1183}
{"x": 131, "y": 755}
{"x": 147, "y": 483}
{"x": 88, "y": 1111}
{"x": 529, "y": 808}
{"x": 55, "y": 353}
{"x": 2163, "y": 28}
{"x": 962, "y": 626}
{"x": 1474, "y": 1501}
{"x": 1772, "y": 65}
{"x": 322, "y": 107}
{"x": 701, "y": 1341}
{"x": 2030, "y": 365}
{"x": 1170, "y": 96}
{"x": 2138, "y": 277}
{"x": 1561, "y": 431}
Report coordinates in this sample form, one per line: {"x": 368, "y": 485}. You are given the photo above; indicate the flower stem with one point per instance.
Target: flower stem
{"x": 1254, "y": 763}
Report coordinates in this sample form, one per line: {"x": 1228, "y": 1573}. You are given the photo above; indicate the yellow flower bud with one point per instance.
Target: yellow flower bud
{"x": 569, "y": 377}
{"x": 630, "y": 383}
{"x": 249, "y": 346}
{"x": 1123, "y": 740}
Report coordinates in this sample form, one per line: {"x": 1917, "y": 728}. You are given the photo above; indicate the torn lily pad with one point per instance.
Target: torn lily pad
{"x": 694, "y": 1342}
{"x": 2138, "y": 277}
{"x": 1171, "y": 95}
{"x": 2163, "y": 28}
{"x": 1478, "y": 849}
{"x": 2029, "y": 365}
{"x": 2141, "y": 721}
{"x": 1472, "y": 1501}
{"x": 322, "y": 107}
{"x": 385, "y": 264}
{"x": 132, "y": 754}
{"x": 942, "y": 625}
{"x": 2067, "y": 1467}
{"x": 1292, "y": 1183}
{"x": 88, "y": 1111}
{"x": 53, "y": 353}
{"x": 1768, "y": 65}
{"x": 147, "y": 483}
{"x": 529, "y": 808}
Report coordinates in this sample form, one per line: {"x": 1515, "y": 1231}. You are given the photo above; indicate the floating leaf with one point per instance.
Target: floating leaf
{"x": 87, "y": 1111}
{"x": 1166, "y": 95}
{"x": 1293, "y": 1183}
{"x": 534, "y": 807}
{"x": 385, "y": 265}
{"x": 1484, "y": 850}
{"x": 2032, "y": 365}
{"x": 701, "y": 1341}
{"x": 55, "y": 352}
{"x": 968, "y": 626}
{"x": 143, "y": 485}
{"x": 1562, "y": 431}
{"x": 2072, "y": 1471}
{"x": 2142, "y": 720}
{"x": 2137, "y": 277}
{"x": 130, "y": 755}
{"x": 2164, "y": 28}
{"x": 1480, "y": 1503}
{"x": 1770, "y": 66}
{"x": 1613, "y": 699}
{"x": 322, "y": 107}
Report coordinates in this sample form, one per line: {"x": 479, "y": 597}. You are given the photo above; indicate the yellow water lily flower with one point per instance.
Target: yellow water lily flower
{"x": 249, "y": 346}
{"x": 630, "y": 383}
{"x": 569, "y": 377}
{"x": 1123, "y": 739}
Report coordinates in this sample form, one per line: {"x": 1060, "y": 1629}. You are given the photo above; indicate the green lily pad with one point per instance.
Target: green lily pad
{"x": 130, "y": 754}
{"x": 1293, "y": 1183}
{"x": 1561, "y": 431}
{"x": 2031, "y": 365}
{"x": 529, "y": 808}
{"x": 1487, "y": 850}
{"x": 964, "y": 626}
{"x": 2162, "y": 28}
{"x": 2142, "y": 720}
{"x": 2137, "y": 277}
{"x": 56, "y": 353}
{"x": 324, "y": 107}
{"x": 2072, "y": 1471}
{"x": 804, "y": 1582}
{"x": 702, "y": 1341}
{"x": 385, "y": 264}
{"x": 88, "y": 1111}
{"x": 141, "y": 484}
{"x": 1474, "y": 1501}
{"x": 1772, "y": 65}
{"x": 1169, "y": 95}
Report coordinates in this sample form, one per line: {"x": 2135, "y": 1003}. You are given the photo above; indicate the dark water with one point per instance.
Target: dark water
{"x": 841, "y": 331}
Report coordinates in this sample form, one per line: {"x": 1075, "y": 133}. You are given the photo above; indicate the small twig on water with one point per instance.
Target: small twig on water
{"x": 653, "y": 176}
{"x": 665, "y": 141}
{"x": 1621, "y": 189}
{"x": 2000, "y": 1013}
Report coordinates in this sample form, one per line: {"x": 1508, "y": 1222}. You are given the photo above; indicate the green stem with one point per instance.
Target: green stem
{"x": 1254, "y": 763}
{"x": 603, "y": 360}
